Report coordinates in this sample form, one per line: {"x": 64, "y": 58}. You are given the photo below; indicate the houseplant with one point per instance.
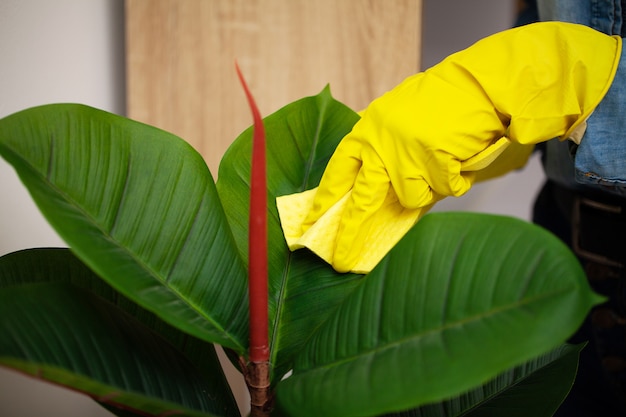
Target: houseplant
{"x": 465, "y": 316}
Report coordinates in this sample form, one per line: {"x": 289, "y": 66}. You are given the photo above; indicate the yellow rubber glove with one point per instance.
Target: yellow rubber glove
{"x": 387, "y": 224}
{"x": 532, "y": 83}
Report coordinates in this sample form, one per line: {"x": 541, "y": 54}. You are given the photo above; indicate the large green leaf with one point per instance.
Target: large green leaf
{"x": 59, "y": 266}
{"x": 67, "y": 335}
{"x": 534, "y": 389}
{"x": 304, "y": 290}
{"x": 462, "y": 298}
{"x": 139, "y": 206}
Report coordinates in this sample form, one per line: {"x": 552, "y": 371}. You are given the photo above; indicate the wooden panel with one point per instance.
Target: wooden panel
{"x": 181, "y": 54}
{"x": 180, "y": 64}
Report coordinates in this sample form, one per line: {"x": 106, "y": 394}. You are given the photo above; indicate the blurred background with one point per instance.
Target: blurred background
{"x": 76, "y": 51}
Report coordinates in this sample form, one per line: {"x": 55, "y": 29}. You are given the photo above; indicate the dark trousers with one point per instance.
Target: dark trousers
{"x": 594, "y": 226}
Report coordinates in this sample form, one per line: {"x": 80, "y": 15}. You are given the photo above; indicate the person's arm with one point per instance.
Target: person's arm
{"x": 526, "y": 85}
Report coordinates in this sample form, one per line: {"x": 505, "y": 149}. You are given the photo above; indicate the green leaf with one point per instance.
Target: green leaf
{"x": 67, "y": 335}
{"x": 536, "y": 388}
{"x": 462, "y": 298}
{"x": 139, "y": 206}
{"x": 538, "y": 394}
{"x": 60, "y": 266}
{"x": 304, "y": 290}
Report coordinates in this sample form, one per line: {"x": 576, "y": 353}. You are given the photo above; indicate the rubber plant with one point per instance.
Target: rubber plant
{"x": 467, "y": 315}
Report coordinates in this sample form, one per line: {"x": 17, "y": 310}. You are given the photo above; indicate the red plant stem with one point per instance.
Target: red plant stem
{"x": 257, "y": 238}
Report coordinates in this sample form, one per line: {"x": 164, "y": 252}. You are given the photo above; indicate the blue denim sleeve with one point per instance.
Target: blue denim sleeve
{"x": 601, "y": 157}
{"x": 602, "y": 15}
{"x": 600, "y": 160}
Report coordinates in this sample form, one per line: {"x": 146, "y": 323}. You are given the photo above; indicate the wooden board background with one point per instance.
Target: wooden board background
{"x": 180, "y": 63}
{"x": 181, "y": 54}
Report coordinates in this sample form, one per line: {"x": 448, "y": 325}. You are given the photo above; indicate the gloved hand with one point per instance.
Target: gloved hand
{"x": 526, "y": 85}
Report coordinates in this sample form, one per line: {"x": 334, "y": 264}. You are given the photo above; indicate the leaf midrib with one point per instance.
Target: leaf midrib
{"x": 72, "y": 202}
{"x": 280, "y": 307}
{"x": 398, "y": 342}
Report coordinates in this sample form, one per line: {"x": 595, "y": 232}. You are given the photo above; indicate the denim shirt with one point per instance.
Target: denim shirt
{"x": 600, "y": 160}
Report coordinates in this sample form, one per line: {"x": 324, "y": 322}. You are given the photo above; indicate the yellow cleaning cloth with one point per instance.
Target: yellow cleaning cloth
{"x": 391, "y": 222}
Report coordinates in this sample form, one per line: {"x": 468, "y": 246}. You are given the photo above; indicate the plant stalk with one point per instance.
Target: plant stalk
{"x": 257, "y": 370}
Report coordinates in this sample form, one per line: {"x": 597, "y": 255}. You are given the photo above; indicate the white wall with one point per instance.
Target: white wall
{"x": 54, "y": 51}
{"x": 51, "y": 51}
{"x": 72, "y": 51}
